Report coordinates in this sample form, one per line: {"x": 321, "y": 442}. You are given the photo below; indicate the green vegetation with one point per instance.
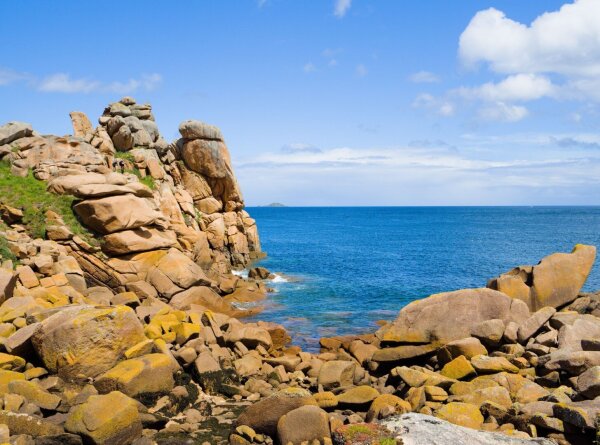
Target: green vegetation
{"x": 30, "y": 195}
{"x": 147, "y": 180}
{"x": 5, "y": 252}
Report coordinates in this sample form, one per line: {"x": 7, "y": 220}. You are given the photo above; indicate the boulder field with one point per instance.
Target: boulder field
{"x": 121, "y": 317}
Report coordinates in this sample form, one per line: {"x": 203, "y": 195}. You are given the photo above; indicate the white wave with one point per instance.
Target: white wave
{"x": 278, "y": 279}
{"x": 240, "y": 273}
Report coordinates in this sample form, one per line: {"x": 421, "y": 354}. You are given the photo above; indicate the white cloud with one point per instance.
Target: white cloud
{"x": 8, "y": 76}
{"x": 435, "y": 175}
{"x": 439, "y": 106}
{"x": 309, "y": 68}
{"x": 424, "y": 77}
{"x": 566, "y": 41}
{"x": 518, "y": 87}
{"x": 341, "y": 7}
{"x": 63, "y": 83}
{"x": 361, "y": 70}
{"x": 503, "y": 112}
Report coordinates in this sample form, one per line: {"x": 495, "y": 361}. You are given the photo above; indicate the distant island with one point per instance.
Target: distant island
{"x": 275, "y": 204}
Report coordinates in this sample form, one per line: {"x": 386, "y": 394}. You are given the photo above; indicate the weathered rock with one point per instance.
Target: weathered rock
{"x": 22, "y": 423}
{"x": 463, "y": 414}
{"x": 419, "y": 429}
{"x": 306, "y": 423}
{"x": 573, "y": 336}
{"x": 34, "y": 393}
{"x": 359, "y": 395}
{"x": 588, "y": 383}
{"x": 148, "y": 374}
{"x": 404, "y": 352}
{"x": 14, "y": 130}
{"x": 469, "y": 347}
{"x": 84, "y": 341}
{"x": 445, "y": 317}
{"x": 487, "y": 364}
{"x": 386, "y": 405}
{"x": 116, "y": 213}
{"x": 459, "y": 368}
{"x": 8, "y": 280}
{"x": 336, "y": 373}
{"x": 110, "y": 419}
{"x": 263, "y": 416}
{"x": 554, "y": 282}
{"x": 529, "y": 327}
{"x": 138, "y": 240}
{"x": 489, "y": 332}
{"x": 82, "y": 127}
{"x": 192, "y": 129}
{"x": 572, "y": 362}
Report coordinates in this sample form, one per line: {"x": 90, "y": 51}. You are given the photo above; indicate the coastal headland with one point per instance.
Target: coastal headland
{"x": 121, "y": 317}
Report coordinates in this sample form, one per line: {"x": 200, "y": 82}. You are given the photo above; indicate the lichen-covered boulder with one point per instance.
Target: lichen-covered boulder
{"x": 555, "y": 281}
{"x": 110, "y": 419}
{"x": 148, "y": 374}
{"x": 85, "y": 341}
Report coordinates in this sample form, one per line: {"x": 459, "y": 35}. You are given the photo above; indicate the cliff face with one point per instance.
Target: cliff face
{"x": 143, "y": 201}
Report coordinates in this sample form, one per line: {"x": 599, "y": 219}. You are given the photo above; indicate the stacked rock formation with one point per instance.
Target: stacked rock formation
{"x": 126, "y": 330}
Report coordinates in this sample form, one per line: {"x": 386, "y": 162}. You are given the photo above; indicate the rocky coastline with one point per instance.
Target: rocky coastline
{"x": 121, "y": 317}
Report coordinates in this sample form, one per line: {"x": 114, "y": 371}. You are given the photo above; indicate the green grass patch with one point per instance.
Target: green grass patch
{"x": 147, "y": 180}
{"x": 30, "y": 195}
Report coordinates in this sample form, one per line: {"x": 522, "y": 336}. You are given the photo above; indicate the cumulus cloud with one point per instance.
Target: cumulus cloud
{"x": 556, "y": 56}
{"x": 341, "y": 7}
{"x": 518, "y": 87}
{"x": 64, "y": 83}
{"x": 424, "y": 77}
{"x": 566, "y": 41}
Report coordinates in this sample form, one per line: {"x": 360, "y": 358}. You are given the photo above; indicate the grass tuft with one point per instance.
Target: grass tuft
{"x": 30, "y": 195}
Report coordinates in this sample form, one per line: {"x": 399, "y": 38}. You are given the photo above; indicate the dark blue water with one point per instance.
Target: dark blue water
{"x": 359, "y": 265}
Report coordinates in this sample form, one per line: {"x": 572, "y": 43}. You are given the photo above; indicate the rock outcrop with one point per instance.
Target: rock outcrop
{"x": 555, "y": 281}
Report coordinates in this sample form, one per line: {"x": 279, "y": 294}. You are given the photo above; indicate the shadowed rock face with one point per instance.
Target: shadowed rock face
{"x": 555, "y": 281}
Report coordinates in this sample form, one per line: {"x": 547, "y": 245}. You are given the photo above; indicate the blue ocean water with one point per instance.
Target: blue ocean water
{"x": 353, "y": 266}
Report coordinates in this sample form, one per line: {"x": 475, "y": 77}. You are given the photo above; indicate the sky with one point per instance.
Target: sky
{"x": 335, "y": 102}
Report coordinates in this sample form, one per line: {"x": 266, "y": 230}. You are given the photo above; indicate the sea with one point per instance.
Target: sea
{"x": 338, "y": 270}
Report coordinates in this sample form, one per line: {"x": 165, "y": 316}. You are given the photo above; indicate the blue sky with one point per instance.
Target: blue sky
{"x": 336, "y": 102}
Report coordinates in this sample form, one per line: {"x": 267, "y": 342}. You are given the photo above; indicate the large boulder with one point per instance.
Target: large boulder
{"x": 14, "y": 130}
{"x": 307, "y": 423}
{"x": 192, "y": 129}
{"x": 442, "y": 318}
{"x": 141, "y": 239}
{"x": 264, "y": 415}
{"x": 117, "y": 213}
{"x": 148, "y": 374}
{"x": 110, "y": 419}
{"x": 85, "y": 341}
{"x": 555, "y": 281}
